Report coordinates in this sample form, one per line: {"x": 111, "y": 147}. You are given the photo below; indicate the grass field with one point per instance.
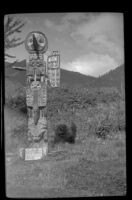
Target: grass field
{"x": 93, "y": 166}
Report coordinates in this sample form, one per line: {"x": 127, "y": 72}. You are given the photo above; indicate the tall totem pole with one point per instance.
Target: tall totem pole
{"x": 38, "y": 72}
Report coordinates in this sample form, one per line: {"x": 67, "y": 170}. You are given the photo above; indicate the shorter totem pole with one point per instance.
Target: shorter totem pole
{"x": 38, "y": 72}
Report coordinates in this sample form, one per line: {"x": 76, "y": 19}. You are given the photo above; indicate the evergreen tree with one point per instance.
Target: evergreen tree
{"x": 11, "y": 26}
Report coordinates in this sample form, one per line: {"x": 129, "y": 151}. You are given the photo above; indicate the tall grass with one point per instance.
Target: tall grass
{"x": 94, "y": 111}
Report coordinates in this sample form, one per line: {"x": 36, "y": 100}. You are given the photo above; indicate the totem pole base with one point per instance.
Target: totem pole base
{"x": 35, "y": 151}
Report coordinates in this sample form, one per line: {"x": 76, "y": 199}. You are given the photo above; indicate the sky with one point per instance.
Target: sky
{"x": 89, "y": 43}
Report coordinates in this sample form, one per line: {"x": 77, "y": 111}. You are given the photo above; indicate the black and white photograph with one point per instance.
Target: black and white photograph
{"x": 64, "y": 110}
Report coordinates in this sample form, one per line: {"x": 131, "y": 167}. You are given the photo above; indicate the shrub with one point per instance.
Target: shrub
{"x": 72, "y": 133}
{"x": 20, "y": 133}
{"x": 63, "y": 133}
{"x": 103, "y": 131}
{"x": 16, "y": 99}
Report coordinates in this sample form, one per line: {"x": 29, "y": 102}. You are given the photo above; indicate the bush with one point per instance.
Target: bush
{"x": 20, "y": 133}
{"x": 103, "y": 131}
{"x": 60, "y": 133}
{"x": 72, "y": 133}
{"x": 16, "y": 99}
{"x": 63, "y": 133}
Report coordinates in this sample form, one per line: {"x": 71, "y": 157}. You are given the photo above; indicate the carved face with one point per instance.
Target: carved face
{"x": 35, "y": 85}
{"x": 40, "y": 39}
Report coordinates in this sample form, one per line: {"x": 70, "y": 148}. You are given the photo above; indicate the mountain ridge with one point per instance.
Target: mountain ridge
{"x": 113, "y": 78}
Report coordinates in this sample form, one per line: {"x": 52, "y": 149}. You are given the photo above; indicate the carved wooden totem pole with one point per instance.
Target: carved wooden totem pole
{"x": 38, "y": 72}
{"x": 36, "y": 91}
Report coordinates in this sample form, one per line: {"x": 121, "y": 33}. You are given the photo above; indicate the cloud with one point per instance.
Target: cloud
{"x": 74, "y": 18}
{"x": 57, "y": 27}
{"x": 90, "y": 43}
{"x": 67, "y": 22}
{"x": 108, "y": 23}
{"x": 98, "y": 37}
{"x": 91, "y": 64}
{"x": 49, "y": 23}
{"x": 102, "y": 34}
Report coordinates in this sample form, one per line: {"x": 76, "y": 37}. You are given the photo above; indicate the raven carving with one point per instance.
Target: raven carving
{"x": 35, "y": 45}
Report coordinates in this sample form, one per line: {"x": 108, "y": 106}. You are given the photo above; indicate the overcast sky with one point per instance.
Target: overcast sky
{"x": 89, "y": 43}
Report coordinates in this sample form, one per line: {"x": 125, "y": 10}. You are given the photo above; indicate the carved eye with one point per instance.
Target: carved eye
{"x": 30, "y": 40}
{"x": 41, "y": 40}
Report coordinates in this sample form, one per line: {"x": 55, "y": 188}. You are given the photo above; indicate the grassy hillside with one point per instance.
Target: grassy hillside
{"x": 105, "y": 104}
{"x": 94, "y": 166}
{"x": 93, "y": 111}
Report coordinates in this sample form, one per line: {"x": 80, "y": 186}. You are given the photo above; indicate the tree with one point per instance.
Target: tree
{"x": 12, "y": 26}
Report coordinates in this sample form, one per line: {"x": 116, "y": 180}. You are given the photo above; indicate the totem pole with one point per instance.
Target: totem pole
{"x": 36, "y": 91}
{"x": 38, "y": 72}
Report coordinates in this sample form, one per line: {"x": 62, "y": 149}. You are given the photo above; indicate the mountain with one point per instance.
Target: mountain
{"x": 15, "y": 76}
{"x": 114, "y": 78}
{"x": 68, "y": 78}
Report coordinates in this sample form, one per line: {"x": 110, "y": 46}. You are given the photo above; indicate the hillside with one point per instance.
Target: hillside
{"x": 95, "y": 165}
{"x": 15, "y": 76}
{"x": 90, "y": 167}
{"x": 68, "y": 78}
{"x": 114, "y": 78}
